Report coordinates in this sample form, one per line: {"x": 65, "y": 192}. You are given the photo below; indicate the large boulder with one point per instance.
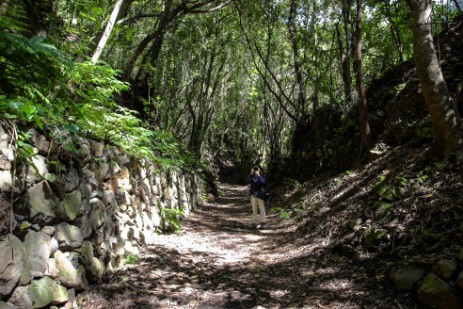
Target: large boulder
{"x": 405, "y": 278}
{"x": 62, "y": 270}
{"x": 37, "y": 248}
{"x": 96, "y": 269}
{"x": 68, "y": 236}
{"x": 72, "y": 204}
{"x": 436, "y": 293}
{"x": 12, "y": 263}
{"x": 446, "y": 269}
{"x": 39, "y": 293}
{"x": 40, "y": 199}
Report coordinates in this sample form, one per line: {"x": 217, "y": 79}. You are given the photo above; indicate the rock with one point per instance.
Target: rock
{"x": 72, "y": 204}
{"x": 101, "y": 171}
{"x": 6, "y": 183}
{"x": 406, "y": 277}
{"x": 37, "y": 170}
{"x": 72, "y": 302}
{"x": 4, "y": 305}
{"x": 68, "y": 236}
{"x": 98, "y": 237}
{"x": 37, "y": 249}
{"x": 53, "y": 245}
{"x": 84, "y": 151}
{"x": 109, "y": 198}
{"x": 210, "y": 198}
{"x": 460, "y": 255}
{"x": 74, "y": 257}
{"x": 67, "y": 274}
{"x": 122, "y": 159}
{"x": 39, "y": 293}
{"x": 97, "y": 149}
{"x": 5, "y": 164}
{"x": 87, "y": 253}
{"x": 446, "y": 269}
{"x": 52, "y": 269}
{"x": 115, "y": 168}
{"x": 436, "y": 293}
{"x": 96, "y": 269}
{"x": 90, "y": 178}
{"x": 40, "y": 199}
{"x": 72, "y": 180}
{"x": 6, "y": 148}
{"x": 86, "y": 190}
{"x": 49, "y": 230}
{"x": 98, "y": 215}
{"x": 460, "y": 280}
{"x": 12, "y": 262}
{"x": 41, "y": 143}
{"x": 85, "y": 226}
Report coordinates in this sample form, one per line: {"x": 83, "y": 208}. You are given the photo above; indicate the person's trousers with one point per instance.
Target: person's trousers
{"x": 254, "y": 203}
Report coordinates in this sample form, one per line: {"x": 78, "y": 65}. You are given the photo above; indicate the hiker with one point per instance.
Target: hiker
{"x": 257, "y": 182}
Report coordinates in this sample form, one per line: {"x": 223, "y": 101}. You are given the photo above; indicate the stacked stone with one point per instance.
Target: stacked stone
{"x": 77, "y": 214}
{"x": 440, "y": 288}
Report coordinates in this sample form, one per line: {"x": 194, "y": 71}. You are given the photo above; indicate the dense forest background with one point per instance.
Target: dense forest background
{"x": 280, "y": 83}
{"x": 118, "y": 118}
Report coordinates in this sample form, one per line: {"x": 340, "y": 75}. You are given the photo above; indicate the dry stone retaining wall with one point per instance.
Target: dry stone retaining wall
{"x": 77, "y": 215}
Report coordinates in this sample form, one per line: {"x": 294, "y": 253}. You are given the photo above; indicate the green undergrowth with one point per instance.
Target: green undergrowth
{"x": 43, "y": 87}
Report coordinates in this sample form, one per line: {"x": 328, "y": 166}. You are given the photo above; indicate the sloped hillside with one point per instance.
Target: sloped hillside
{"x": 330, "y": 140}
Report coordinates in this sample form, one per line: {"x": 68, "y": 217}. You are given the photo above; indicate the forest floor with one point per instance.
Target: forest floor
{"x": 217, "y": 261}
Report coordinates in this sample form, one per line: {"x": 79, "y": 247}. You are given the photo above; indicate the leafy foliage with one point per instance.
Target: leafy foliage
{"x": 170, "y": 219}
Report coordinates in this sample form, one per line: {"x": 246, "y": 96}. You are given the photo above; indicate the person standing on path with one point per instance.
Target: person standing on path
{"x": 257, "y": 182}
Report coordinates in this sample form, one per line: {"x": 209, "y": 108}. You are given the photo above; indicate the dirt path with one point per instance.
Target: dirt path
{"x": 216, "y": 261}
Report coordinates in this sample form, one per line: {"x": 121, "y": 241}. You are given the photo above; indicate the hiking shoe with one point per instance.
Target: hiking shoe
{"x": 253, "y": 225}
{"x": 262, "y": 225}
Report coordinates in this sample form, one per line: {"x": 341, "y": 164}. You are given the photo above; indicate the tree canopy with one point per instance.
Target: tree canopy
{"x": 214, "y": 77}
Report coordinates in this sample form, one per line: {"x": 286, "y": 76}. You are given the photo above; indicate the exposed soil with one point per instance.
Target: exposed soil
{"x": 216, "y": 261}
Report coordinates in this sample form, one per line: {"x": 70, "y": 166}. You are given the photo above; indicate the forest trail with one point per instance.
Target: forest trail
{"x": 216, "y": 261}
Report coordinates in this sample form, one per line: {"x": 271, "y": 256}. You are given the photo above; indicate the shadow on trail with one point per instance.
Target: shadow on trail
{"x": 217, "y": 262}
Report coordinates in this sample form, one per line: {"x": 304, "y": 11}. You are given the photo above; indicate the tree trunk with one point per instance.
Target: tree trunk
{"x": 107, "y": 32}
{"x": 366, "y": 134}
{"x": 301, "y": 100}
{"x": 445, "y": 119}
{"x": 346, "y": 56}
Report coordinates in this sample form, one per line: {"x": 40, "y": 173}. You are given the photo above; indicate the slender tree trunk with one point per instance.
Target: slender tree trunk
{"x": 346, "y": 57}
{"x": 366, "y": 134}
{"x": 302, "y": 100}
{"x": 445, "y": 119}
{"x": 107, "y": 32}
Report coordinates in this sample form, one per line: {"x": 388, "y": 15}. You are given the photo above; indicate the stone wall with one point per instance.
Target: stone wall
{"x": 77, "y": 215}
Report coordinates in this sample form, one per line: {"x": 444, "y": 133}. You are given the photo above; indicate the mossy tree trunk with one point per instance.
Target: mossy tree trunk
{"x": 445, "y": 119}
